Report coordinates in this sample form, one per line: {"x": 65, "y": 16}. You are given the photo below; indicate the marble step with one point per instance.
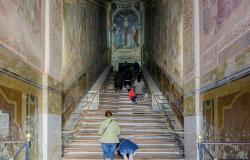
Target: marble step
{"x": 124, "y": 103}
{"x": 99, "y": 149}
{"x": 137, "y": 158}
{"x": 121, "y": 113}
{"x": 131, "y": 137}
{"x": 127, "y": 134}
{"x": 99, "y": 153}
{"x": 126, "y": 130}
{"x": 138, "y": 141}
{"x": 129, "y": 128}
{"x": 101, "y": 118}
{"x": 131, "y": 108}
{"x": 125, "y": 114}
{"x": 142, "y": 155}
{"x": 130, "y": 104}
{"x": 139, "y": 123}
{"x": 142, "y": 145}
{"x": 128, "y": 107}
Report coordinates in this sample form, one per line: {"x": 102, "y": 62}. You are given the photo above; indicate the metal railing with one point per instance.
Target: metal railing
{"x": 170, "y": 121}
{"x": 71, "y": 133}
{"x": 25, "y": 144}
{"x": 205, "y": 153}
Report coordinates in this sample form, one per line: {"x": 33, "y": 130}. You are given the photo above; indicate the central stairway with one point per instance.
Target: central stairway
{"x": 137, "y": 122}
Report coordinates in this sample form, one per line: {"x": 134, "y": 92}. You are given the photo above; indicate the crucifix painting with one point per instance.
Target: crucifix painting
{"x": 126, "y": 31}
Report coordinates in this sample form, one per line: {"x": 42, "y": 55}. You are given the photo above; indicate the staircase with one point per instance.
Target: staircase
{"x": 137, "y": 121}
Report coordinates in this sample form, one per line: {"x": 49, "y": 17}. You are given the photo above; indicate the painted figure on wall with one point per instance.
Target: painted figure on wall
{"x": 126, "y": 33}
{"x": 225, "y": 8}
{"x": 23, "y": 16}
{"x": 125, "y": 27}
{"x": 215, "y": 12}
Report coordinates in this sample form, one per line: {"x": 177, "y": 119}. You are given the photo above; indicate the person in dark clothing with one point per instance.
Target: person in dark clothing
{"x": 136, "y": 67}
{"x": 118, "y": 81}
{"x": 126, "y": 148}
{"x": 127, "y": 79}
{"x": 125, "y": 67}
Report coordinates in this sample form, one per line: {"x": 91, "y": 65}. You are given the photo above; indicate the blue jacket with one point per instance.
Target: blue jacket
{"x": 126, "y": 146}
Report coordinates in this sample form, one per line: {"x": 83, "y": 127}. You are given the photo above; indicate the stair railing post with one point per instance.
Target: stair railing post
{"x": 27, "y": 146}
{"x": 27, "y": 150}
{"x": 200, "y": 147}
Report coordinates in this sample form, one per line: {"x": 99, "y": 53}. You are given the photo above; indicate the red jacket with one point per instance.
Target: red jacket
{"x": 131, "y": 93}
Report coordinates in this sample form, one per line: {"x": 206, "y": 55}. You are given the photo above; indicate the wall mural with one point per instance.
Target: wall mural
{"x": 215, "y": 12}
{"x": 126, "y": 30}
{"x": 23, "y": 16}
{"x": 221, "y": 109}
{"x": 164, "y": 38}
{"x": 85, "y": 29}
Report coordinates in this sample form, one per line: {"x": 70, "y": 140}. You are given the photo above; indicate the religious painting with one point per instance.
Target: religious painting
{"x": 125, "y": 30}
{"x": 23, "y": 16}
{"x": 215, "y": 12}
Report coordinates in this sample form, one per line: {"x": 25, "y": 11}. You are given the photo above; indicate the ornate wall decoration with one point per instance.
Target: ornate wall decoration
{"x": 220, "y": 52}
{"x": 85, "y": 57}
{"x": 10, "y": 106}
{"x": 23, "y": 16}
{"x": 164, "y": 43}
{"x": 188, "y": 53}
{"x": 226, "y": 118}
{"x": 165, "y": 35}
{"x": 216, "y": 12}
{"x": 56, "y": 39}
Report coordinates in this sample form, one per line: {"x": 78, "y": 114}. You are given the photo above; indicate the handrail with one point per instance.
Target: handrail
{"x": 172, "y": 128}
{"x": 70, "y": 132}
{"x": 226, "y": 143}
{"x": 26, "y": 145}
{"x": 13, "y": 142}
{"x": 176, "y": 105}
{"x": 19, "y": 151}
{"x": 202, "y": 147}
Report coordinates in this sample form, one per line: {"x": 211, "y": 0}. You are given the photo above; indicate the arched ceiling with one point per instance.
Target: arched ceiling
{"x": 124, "y": 4}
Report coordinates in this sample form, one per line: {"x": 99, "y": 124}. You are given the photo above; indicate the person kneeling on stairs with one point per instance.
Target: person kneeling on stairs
{"x": 126, "y": 149}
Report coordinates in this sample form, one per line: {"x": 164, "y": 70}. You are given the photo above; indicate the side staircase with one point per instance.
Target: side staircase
{"x": 138, "y": 123}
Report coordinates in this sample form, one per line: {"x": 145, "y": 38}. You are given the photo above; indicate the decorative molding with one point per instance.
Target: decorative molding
{"x": 28, "y": 81}
{"x": 245, "y": 71}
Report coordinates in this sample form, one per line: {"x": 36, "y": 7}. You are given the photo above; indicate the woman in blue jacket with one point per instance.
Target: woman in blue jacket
{"x": 127, "y": 148}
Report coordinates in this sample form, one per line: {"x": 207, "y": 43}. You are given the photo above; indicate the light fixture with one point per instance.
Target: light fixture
{"x": 28, "y": 136}
{"x": 199, "y": 138}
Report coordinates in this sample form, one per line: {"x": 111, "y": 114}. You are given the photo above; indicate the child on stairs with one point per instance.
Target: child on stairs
{"x": 132, "y": 96}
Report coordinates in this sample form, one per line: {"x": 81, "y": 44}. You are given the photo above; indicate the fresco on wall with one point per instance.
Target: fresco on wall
{"x": 125, "y": 30}
{"x": 56, "y": 39}
{"x": 85, "y": 38}
{"x": 226, "y": 118}
{"x": 85, "y": 56}
{"x": 23, "y": 16}
{"x": 215, "y": 12}
{"x": 220, "y": 51}
{"x": 10, "y": 102}
{"x": 164, "y": 38}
